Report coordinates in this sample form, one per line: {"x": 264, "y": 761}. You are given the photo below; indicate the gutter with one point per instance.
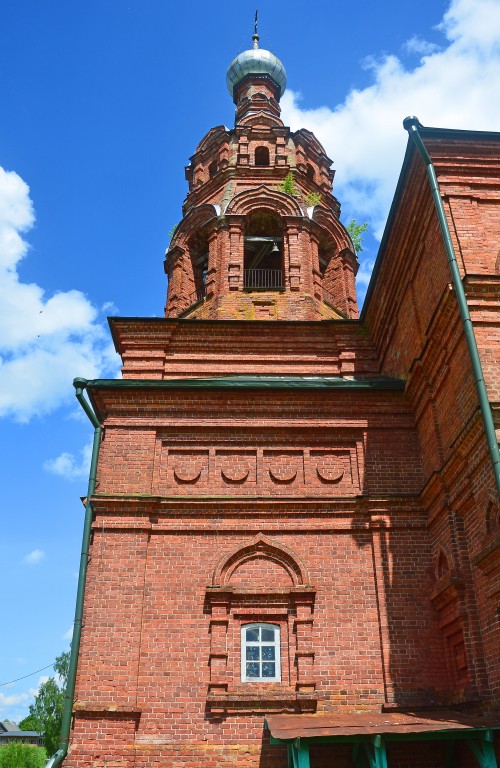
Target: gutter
{"x": 69, "y": 693}
{"x": 412, "y": 125}
{"x": 249, "y": 381}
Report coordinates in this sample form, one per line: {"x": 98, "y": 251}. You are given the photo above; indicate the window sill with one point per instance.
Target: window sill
{"x": 237, "y": 591}
{"x": 94, "y": 708}
{"x": 248, "y": 698}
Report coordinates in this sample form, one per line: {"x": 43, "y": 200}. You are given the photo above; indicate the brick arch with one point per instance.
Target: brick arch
{"x": 266, "y": 199}
{"x": 492, "y": 517}
{"x": 268, "y": 549}
{"x": 310, "y": 139}
{"x": 333, "y": 227}
{"x": 260, "y": 119}
{"x": 196, "y": 219}
{"x": 211, "y": 137}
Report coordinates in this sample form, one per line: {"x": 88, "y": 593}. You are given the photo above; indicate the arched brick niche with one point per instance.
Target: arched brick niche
{"x": 260, "y": 548}
{"x": 336, "y": 260}
{"x": 188, "y": 263}
{"x": 263, "y": 582}
{"x": 448, "y": 600}
{"x": 487, "y": 558}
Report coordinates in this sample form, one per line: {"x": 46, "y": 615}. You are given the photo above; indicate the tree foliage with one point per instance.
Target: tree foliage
{"x": 45, "y": 715}
{"x": 356, "y": 232}
{"x": 19, "y": 755}
{"x": 28, "y": 724}
{"x": 61, "y": 666}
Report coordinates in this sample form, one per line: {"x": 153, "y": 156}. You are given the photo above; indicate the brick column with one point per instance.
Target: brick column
{"x": 175, "y": 294}
{"x": 231, "y": 254}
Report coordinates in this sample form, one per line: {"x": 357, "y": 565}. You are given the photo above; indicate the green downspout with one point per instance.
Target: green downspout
{"x": 412, "y": 124}
{"x": 58, "y": 757}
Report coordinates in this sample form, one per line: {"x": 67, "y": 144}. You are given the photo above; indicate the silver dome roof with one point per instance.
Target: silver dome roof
{"x": 256, "y": 62}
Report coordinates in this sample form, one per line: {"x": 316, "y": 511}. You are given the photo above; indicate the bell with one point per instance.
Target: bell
{"x": 275, "y": 248}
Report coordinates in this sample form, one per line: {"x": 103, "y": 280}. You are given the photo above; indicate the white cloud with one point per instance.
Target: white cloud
{"x": 69, "y": 634}
{"x": 15, "y": 706}
{"x": 109, "y": 308}
{"x": 14, "y": 699}
{"x": 35, "y": 557}
{"x": 420, "y": 46}
{"x": 453, "y": 87}
{"x": 45, "y": 341}
{"x": 71, "y": 467}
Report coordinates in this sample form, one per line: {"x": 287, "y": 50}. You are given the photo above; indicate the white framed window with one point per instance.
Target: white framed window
{"x": 260, "y": 653}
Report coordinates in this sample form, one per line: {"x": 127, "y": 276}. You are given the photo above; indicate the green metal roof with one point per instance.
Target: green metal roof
{"x": 253, "y": 382}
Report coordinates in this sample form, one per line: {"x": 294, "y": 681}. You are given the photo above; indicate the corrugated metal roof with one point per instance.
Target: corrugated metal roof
{"x": 288, "y": 727}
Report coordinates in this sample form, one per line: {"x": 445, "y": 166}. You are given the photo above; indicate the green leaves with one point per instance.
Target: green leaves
{"x": 19, "y": 755}
{"x": 28, "y": 724}
{"x": 313, "y": 198}
{"x": 61, "y": 666}
{"x": 45, "y": 715}
{"x": 288, "y": 185}
{"x": 356, "y": 231}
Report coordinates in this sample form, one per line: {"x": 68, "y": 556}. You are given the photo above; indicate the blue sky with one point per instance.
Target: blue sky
{"x": 102, "y": 105}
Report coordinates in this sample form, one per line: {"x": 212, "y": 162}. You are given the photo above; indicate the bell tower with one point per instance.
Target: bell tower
{"x": 260, "y": 237}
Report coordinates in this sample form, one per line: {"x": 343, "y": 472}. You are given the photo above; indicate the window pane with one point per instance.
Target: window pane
{"x": 253, "y": 653}
{"x": 252, "y": 635}
{"x": 268, "y": 669}
{"x": 268, "y": 635}
{"x": 253, "y": 670}
{"x": 267, "y": 652}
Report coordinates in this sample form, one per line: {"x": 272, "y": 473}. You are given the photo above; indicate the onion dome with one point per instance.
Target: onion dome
{"x": 256, "y": 61}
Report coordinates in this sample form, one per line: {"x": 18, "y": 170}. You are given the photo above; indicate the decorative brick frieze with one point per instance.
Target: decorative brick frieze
{"x": 258, "y": 471}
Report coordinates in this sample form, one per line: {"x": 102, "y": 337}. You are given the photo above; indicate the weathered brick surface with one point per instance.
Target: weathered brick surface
{"x": 364, "y": 523}
{"x": 414, "y": 320}
{"x": 234, "y": 195}
{"x": 155, "y": 348}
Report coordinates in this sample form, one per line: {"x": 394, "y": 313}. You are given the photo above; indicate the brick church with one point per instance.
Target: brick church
{"x": 295, "y": 545}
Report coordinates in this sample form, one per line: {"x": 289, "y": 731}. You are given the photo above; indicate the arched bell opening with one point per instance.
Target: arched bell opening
{"x": 326, "y": 250}
{"x": 198, "y": 252}
{"x": 263, "y": 254}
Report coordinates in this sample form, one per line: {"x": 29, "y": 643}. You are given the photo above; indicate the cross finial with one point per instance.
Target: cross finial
{"x": 255, "y": 36}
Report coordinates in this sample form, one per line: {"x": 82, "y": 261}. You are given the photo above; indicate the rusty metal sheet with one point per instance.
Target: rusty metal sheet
{"x": 287, "y": 727}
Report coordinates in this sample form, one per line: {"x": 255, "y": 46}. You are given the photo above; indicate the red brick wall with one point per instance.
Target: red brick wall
{"x": 211, "y": 470}
{"x": 363, "y": 523}
{"x": 413, "y": 318}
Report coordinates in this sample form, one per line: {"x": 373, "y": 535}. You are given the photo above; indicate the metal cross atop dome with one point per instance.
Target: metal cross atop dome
{"x": 255, "y": 36}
